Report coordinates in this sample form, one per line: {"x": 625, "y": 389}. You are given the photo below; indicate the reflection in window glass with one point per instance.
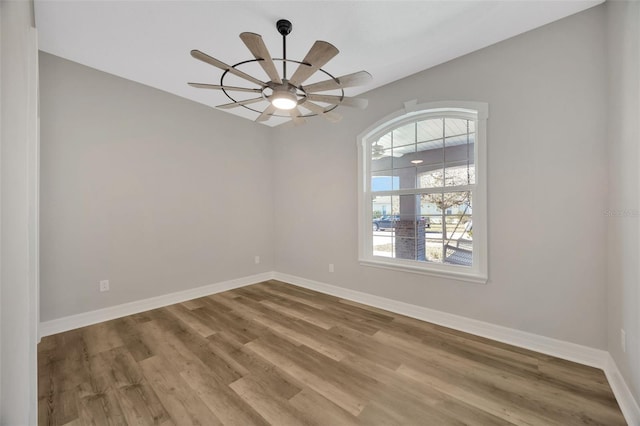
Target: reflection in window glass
{"x": 405, "y": 135}
{"x": 403, "y": 152}
{"x": 385, "y": 141}
{"x": 455, "y": 126}
{"x": 459, "y": 175}
{"x": 383, "y": 181}
{"x": 429, "y": 130}
{"x": 434, "y": 160}
{"x": 406, "y": 177}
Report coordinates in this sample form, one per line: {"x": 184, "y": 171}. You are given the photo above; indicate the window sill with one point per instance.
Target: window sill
{"x": 472, "y": 277}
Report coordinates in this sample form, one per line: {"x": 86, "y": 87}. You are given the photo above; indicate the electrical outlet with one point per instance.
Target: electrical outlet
{"x": 104, "y": 285}
{"x": 623, "y": 340}
{"x": 257, "y": 259}
{"x": 331, "y": 267}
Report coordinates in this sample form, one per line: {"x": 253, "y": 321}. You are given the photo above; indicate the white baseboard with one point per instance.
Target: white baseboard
{"x": 93, "y": 317}
{"x": 558, "y": 348}
{"x": 566, "y": 350}
{"x": 627, "y": 403}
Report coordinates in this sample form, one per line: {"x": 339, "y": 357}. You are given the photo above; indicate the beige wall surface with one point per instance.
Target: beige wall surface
{"x": 150, "y": 191}
{"x": 547, "y": 179}
{"x": 623, "y": 207}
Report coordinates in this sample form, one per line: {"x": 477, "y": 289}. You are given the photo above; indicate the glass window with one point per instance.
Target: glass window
{"x": 424, "y": 195}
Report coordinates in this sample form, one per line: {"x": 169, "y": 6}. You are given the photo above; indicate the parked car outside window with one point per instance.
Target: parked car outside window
{"x": 385, "y": 222}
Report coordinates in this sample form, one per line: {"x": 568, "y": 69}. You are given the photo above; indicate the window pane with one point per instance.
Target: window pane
{"x": 385, "y": 141}
{"x": 402, "y": 155}
{"x": 406, "y": 248}
{"x": 449, "y": 235}
{"x": 430, "y": 177}
{"x": 433, "y": 248}
{"x": 409, "y": 205}
{"x": 380, "y": 206}
{"x": 429, "y": 130}
{"x": 460, "y": 140}
{"x": 428, "y": 154}
{"x": 382, "y": 161}
{"x": 432, "y": 148}
{"x": 385, "y": 205}
{"x": 385, "y": 217}
{"x": 455, "y": 126}
{"x": 458, "y": 246}
{"x": 461, "y": 254}
{"x": 459, "y": 175}
{"x": 405, "y": 178}
{"x": 405, "y": 135}
{"x": 456, "y": 203}
{"x": 383, "y": 245}
{"x": 435, "y": 154}
{"x": 383, "y": 181}
{"x": 379, "y": 151}
{"x": 430, "y": 205}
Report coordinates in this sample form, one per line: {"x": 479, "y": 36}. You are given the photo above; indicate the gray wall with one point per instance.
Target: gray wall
{"x": 153, "y": 192}
{"x": 18, "y": 160}
{"x": 547, "y": 166}
{"x": 624, "y": 186}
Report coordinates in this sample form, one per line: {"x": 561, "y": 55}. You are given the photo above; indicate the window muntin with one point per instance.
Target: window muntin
{"x": 421, "y": 193}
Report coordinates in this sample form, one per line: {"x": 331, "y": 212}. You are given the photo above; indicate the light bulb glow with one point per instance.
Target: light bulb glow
{"x": 284, "y": 100}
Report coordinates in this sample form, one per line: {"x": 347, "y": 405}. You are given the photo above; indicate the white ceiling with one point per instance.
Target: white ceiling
{"x": 149, "y": 41}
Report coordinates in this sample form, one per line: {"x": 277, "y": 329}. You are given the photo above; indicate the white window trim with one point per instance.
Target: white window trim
{"x": 478, "y": 273}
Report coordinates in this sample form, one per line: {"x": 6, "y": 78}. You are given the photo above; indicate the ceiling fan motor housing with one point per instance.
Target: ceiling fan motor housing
{"x": 284, "y": 27}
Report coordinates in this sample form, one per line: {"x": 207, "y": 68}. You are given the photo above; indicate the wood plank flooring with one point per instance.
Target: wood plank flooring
{"x": 277, "y": 354}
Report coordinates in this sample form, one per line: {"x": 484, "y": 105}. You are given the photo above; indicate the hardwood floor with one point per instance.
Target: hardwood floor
{"x": 272, "y": 353}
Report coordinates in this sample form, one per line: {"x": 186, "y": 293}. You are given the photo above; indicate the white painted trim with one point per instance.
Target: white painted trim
{"x": 84, "y": 319}
{"x": 409, "y": 266}
{"x": 33, "y": 188}
{"x": 626, "y": 401}
{"x": 565, "y": 350}
{"x": 558, "y": 348}
{"x": 412, "y": 107}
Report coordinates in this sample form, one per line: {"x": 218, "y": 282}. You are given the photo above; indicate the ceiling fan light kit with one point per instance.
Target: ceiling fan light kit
{"x": 285, "y": 96}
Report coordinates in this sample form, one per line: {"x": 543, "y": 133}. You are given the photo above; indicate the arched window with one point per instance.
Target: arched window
{"x": 422, "y": 190}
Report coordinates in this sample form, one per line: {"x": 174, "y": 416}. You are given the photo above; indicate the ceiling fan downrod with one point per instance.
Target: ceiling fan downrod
{"x": 284, "y": 27}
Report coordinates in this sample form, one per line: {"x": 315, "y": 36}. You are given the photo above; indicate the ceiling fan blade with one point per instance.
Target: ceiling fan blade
{"x": 218, "y": 87}
{"x": 240, "y": 103}
{"x": 350, "y": 80}
{"x": 266, "y": 114}
{"x": 317, "y": 109}
{"x": 219, "y": 64}
{"x": 258, "y": 49}
{"x": 320, "y": 53}
{"x": 296, "y": 116}
{"x": 339, "y": 100}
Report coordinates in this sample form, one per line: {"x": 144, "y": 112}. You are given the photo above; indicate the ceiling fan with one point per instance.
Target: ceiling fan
{"x": 377, "y": 151}
{"x": 287, "y": 94}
